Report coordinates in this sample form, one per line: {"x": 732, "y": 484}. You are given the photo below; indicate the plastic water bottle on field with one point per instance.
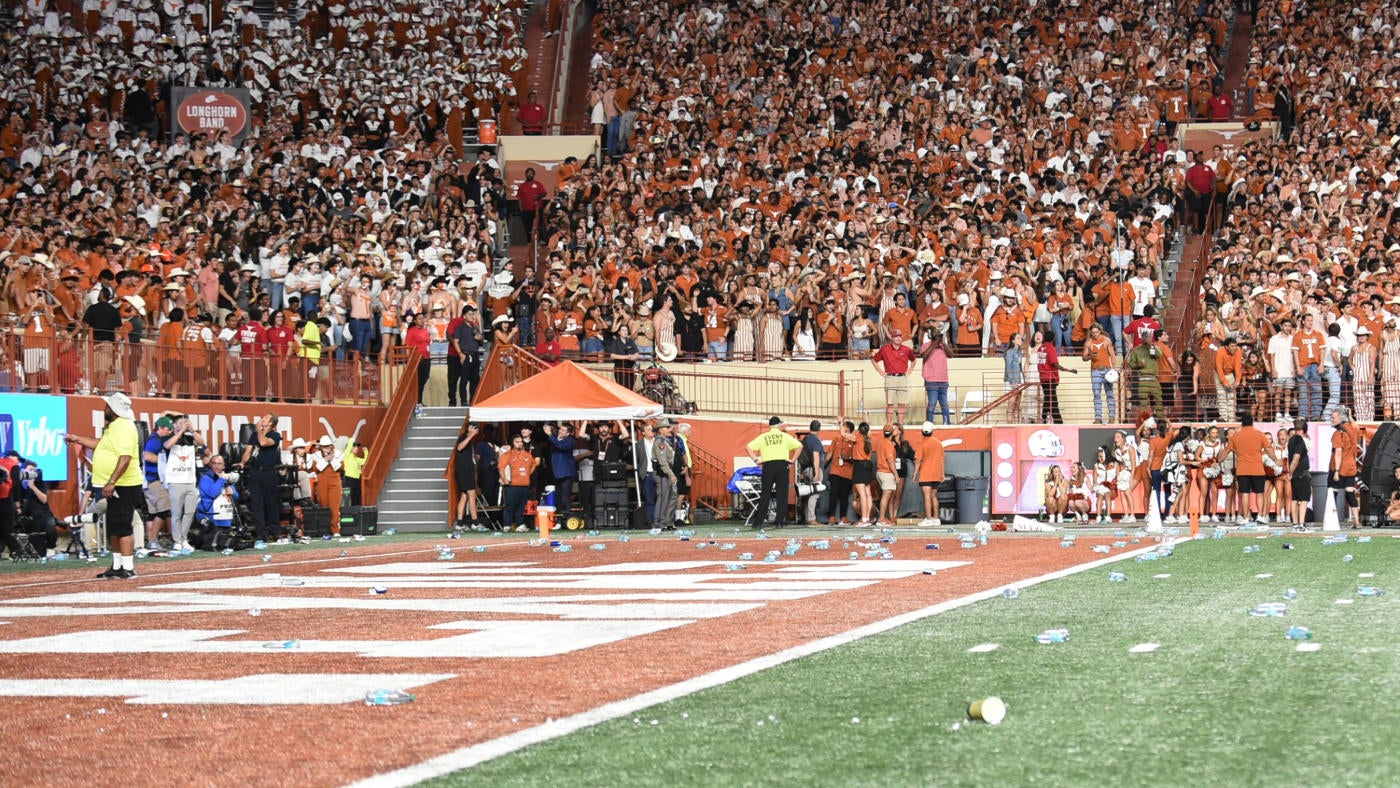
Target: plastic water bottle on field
{"x": 1254, "y": 548}
{"x": 1346, "y": 559}
{"x": 1369, "y": 591}
{"x": 1298, "y": 633}
{"x": 1052, "y": 636}
{"x": 281, "y": 645}
{"x": 598, "y": 547}
{"x": 1269, "y": 610}
{"x": 387, "y": 698}
{"x": 1100, "y": 548}
{"x": 1219, "y": 533}
{"x": 1011, "y": 593}
{"x": 1117, "y": 577}
{"x": 1290, "y": 593}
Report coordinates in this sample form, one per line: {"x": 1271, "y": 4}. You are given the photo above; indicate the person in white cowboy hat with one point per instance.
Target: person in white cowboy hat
{"x": 327, "y": 462}
{"x": 116, "y": 478}
{"x": 298, "y": 458}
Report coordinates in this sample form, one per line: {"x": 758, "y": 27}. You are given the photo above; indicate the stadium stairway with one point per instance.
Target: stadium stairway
{"x": 8, "y": 21}
{"x": 414, "y": 498}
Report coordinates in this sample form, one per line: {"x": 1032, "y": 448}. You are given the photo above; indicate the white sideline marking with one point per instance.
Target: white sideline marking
{"x": 983, "y": 648}
{"x": 266, "y": 689}
{"x": 467, "y": 757}
{"x": 1144, "y": 648}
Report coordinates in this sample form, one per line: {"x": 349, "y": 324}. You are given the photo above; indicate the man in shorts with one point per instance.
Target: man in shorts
{"x": 929, "y": 456}
{"x": 116, "y": 477}
{"x": 157, "y": 496}
{"x": 1248, "y": 445}
{"x": 887, "y": 476}
{"x": 895, "y": 358}
{"x": 1283, "y": 379}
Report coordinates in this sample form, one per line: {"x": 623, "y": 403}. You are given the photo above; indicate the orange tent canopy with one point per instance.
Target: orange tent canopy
{"x": 566, "y": 392}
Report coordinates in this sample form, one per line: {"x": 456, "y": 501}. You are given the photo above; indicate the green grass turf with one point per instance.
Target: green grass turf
{"x": 1225, "y": 700}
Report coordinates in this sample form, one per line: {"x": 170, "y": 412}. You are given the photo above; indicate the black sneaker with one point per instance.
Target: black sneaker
{"x": 126, "y": 574}
{"x": 110, "y": 574}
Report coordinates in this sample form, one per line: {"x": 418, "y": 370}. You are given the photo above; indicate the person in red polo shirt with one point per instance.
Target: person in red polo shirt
{"x": 419, "y": 339}
{"x": 1200, "y": 187}
{"x": 532, "y": 116}
{"x": 896, "y": 358}
{"x": 531, "y": 194}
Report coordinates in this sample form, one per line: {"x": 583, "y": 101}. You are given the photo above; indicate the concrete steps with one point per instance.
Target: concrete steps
{"x": 414, "y": 498}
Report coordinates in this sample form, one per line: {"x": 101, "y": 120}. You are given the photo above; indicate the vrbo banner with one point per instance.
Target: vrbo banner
{"x": 211, "y": 111}
{"x": 33, "y": 425}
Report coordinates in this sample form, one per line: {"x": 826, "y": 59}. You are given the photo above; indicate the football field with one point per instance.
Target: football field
{"x": 845, "y": 658}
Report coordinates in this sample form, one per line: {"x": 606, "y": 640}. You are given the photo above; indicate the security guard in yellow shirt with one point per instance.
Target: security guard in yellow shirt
{"x": 775, "y": 450}
{"x": 354, "y": 466}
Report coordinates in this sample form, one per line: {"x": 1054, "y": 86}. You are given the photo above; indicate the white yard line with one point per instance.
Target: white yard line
{"x": 251, "y": 566}
{"x": 479, "y": 753}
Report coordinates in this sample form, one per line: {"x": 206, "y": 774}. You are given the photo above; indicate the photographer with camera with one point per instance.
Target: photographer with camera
{"x": 116, "y": 476}
{"x": 218, "y": 494}
{"x": 262, "y": 455}
{"x": 182, "y": 449}
{"x": 31, "y": 497}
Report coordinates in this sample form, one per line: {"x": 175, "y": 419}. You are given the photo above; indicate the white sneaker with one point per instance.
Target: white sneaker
{"x": 520, "y": 529}
{"x": 935, "y": 522}
{"x": 1129, "y": 519}
{"x": 926, "y": 523}
{"x": 1242, "y": 520}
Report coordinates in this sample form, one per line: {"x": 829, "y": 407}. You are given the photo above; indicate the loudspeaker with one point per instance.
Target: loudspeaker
{"x": 1378, "y": 470}
{"x": 246, "y": 433}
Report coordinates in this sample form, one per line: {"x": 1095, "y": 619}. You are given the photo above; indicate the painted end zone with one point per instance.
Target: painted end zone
{"x": 169, "y": 679}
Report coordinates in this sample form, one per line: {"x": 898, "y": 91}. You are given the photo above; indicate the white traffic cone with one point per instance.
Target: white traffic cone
{"x": 1329, "y": 520}
{"x": 1154, "y": 514}
{"x": 1027, "y": 525}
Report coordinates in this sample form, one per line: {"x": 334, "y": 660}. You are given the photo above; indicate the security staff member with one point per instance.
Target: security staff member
{"x": 355, "y": 460}
{"x": 775, "y": 449}
{"x": 261, "y": 456}
{"x": 116, "y": 476}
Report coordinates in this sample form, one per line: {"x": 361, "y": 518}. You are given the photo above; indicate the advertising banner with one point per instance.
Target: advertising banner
{"x": 218, "y": 422}
{"x": 33, "y": 425}
{"x": 211, "y": 111}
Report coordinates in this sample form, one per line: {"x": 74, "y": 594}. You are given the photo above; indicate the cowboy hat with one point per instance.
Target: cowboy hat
{"x": 298, "y": 443}
{"x": 120, "y": 405}
{"x": 666, "y": 351}
{"x": 500, "y": 319}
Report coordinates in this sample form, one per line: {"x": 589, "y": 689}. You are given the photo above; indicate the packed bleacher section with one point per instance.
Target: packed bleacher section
{"x": 780, "y": 184}
{"x": 830, "y": 177}
{"x": 1300, "y": 306}
{"x": 353, "y": 171}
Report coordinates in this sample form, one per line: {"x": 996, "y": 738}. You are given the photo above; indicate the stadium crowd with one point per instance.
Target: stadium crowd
{"x": 807, "y": 183}
{"x": 1300, "y": 310}
{"x": 963, "y": 182}
{"x": 784, "y": 184}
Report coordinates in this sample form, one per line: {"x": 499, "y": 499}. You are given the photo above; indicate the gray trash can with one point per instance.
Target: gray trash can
{"x": 1319, "y": 497}
{"x": 972, "y": 497}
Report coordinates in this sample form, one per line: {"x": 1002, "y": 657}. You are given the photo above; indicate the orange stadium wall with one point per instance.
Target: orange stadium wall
{"x": 218, "y": 421}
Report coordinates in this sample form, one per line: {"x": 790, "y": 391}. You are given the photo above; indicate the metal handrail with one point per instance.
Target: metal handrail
{"x": 384, "y": 449}
{"x": 1010, "y": 398}
{"x": 709, "y": 477}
